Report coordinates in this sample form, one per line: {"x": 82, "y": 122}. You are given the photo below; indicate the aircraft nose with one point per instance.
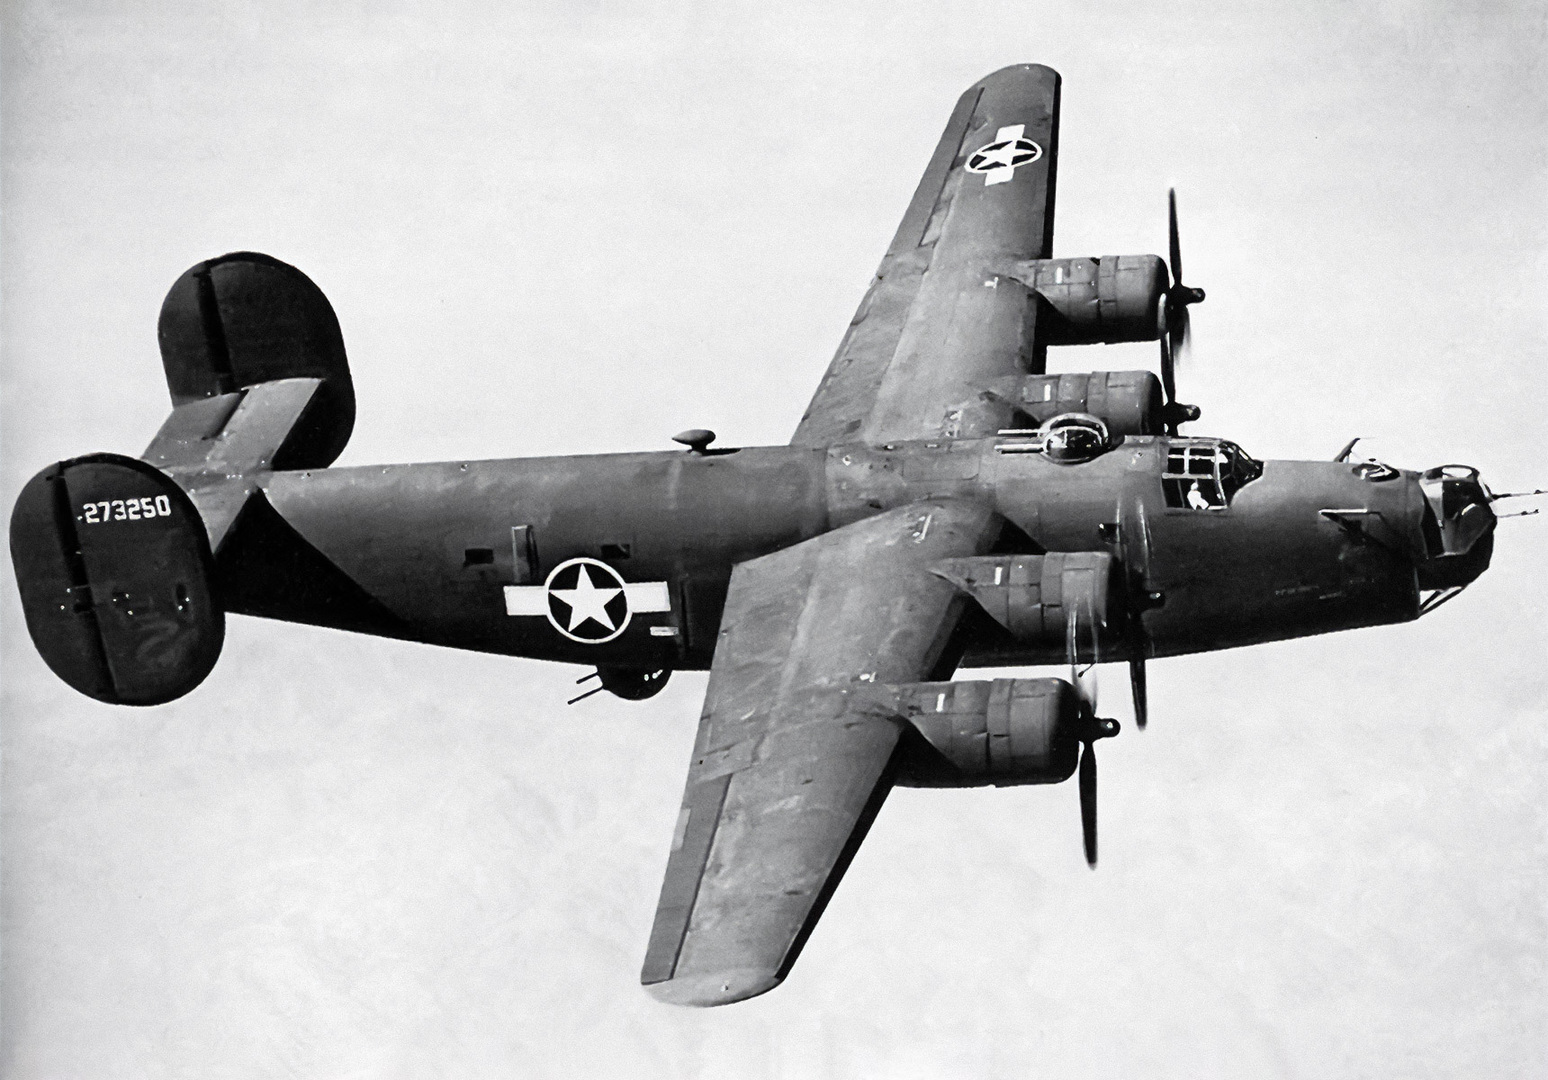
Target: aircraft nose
{"x": 1458, "y": 526}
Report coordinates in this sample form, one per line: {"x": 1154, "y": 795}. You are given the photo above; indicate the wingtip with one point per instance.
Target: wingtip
{"x": 715, "y": 988}
{"x": 1015, "y": 71}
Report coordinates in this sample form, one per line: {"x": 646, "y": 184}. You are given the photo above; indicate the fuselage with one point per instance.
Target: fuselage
{"x": 1248, "y": 552}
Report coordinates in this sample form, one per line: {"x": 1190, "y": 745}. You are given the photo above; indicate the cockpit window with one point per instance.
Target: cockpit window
{"x": 1203, "y": 474}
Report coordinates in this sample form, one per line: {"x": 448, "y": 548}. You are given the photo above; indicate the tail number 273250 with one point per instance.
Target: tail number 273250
{"x": 94, "y": 513}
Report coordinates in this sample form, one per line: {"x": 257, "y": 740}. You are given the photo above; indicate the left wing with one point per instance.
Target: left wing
{"x": 791, "y": 765}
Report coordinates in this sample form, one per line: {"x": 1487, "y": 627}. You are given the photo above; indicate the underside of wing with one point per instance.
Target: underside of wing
{"x": 944, "y": 316}
{"x": 791, "y": 765}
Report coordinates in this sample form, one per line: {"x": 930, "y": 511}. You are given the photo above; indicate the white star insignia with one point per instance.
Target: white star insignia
{"x": 998, "y": 161}
{"x": 586, "y": 601}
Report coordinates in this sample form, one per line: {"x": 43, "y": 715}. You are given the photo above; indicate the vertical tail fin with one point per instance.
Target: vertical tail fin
{"x": 246, "y": 319}
{"x": 259, "y": 381}
{"x": 115, "y": 558}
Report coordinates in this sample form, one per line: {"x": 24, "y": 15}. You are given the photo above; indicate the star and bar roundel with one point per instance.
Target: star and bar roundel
{"x": 999, "y": 160}
{"x": 587, "y": 601}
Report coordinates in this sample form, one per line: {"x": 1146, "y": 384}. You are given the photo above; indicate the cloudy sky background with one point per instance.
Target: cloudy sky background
{"x": 574, "y": 228}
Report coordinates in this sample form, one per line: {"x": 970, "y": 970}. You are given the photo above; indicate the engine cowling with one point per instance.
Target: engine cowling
{"x": 1128, "y": 402}
{"x": 116, "y": 579}
{"x": 1036, "y": 597}
{"x": 1001, "y": 732}
{"x": 1097, "y": 301}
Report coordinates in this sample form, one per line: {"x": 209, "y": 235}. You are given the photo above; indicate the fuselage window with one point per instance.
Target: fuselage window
{"x": 1203, "y": 475}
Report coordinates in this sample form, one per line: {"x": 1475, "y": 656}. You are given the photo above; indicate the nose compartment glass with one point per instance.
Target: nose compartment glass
{"x": 1459, "y": 507}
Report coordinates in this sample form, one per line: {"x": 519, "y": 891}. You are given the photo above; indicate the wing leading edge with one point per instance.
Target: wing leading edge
{"x": 943, "y": 317}
{"x": 790, "y": 765}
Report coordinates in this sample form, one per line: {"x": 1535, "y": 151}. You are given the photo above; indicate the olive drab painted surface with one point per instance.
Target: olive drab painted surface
{"x": 115, "y": 575}
{"x": 945, "y": 502}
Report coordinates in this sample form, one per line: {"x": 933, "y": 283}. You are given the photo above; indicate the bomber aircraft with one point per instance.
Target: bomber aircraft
{"x": 943, "y": 503}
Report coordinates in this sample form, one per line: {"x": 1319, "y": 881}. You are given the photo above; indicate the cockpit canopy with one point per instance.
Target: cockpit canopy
{"x": 1204, "y": 474}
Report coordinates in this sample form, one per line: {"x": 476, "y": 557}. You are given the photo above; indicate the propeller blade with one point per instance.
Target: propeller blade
{"x": 1171, "y": 235}
{"x": 1175, "y": 324}
{"x": 1141, "y": 694}
{"x": 1088, "y": 809}
{"x": 1088, "y": 697}
{"x": 1071, "y": 649}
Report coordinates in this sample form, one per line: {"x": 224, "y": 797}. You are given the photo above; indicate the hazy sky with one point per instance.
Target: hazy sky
{"x": 569, "y": 228}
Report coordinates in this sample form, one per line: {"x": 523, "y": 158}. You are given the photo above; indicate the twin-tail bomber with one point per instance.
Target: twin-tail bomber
{"x": 943, "y": 503}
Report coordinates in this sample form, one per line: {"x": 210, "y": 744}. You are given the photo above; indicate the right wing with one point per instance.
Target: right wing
{"x": 943, "y": 318}
{"x": 792, "y": 759}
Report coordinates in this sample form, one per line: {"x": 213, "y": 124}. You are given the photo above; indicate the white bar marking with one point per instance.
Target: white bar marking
{"x": 647, "y": 596}
{"x": 526, "y": 600}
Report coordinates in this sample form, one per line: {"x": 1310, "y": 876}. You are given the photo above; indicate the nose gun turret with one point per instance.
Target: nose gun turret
{"x": 1458, "y": 527}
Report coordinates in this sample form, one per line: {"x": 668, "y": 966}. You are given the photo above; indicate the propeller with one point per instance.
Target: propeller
{"x": 1091, "y": 727}
{"x": 1141, "y": 694}
{"x": 1173, "y": 325}
{"x": 1133, "y": 552}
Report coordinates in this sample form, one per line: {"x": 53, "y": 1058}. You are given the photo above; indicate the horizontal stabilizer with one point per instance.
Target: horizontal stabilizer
{"x": 212, "y": 447}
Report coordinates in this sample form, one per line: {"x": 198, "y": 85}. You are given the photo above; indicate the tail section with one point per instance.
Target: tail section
{"x": 245, "y": 320}
{"x": 116, "y": 580}
{"x": 259, "y": 381}
{"x": 115, "y": 557}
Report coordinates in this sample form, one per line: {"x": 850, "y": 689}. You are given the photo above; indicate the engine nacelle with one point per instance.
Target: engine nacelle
{"x": 1128, "y": 402}
{"x": 115, "y": 575}
{"x": 1008, "y": 731}
{"x": 1097, "y": 301}
{"x": 1037, "y": 597}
